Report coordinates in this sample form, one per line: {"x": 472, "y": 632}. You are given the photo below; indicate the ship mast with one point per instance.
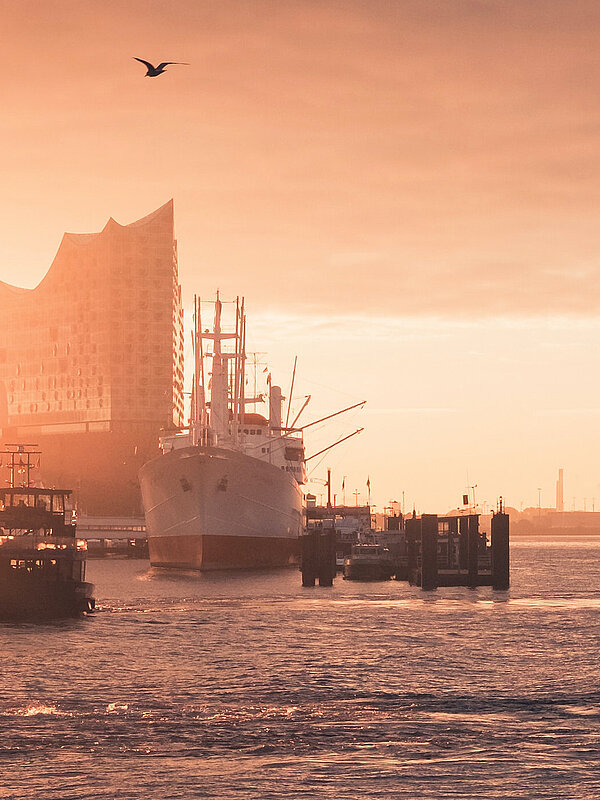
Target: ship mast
{"x": 227, "y": 402}
{"x": 198, "y": 416}
{"x": 239, "y": 373}
{"x": 20, "y": 463}
{"x": 219, "y": 384}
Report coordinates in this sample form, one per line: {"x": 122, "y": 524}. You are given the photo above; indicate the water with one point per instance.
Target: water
{"x": 248, "y": 686}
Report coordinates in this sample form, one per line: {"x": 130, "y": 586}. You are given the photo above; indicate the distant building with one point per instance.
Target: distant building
{"x": 91, "y": 360}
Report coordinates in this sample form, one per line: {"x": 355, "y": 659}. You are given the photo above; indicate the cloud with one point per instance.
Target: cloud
{"x": 417, "y": 157}
{"x": 407, "y": 410}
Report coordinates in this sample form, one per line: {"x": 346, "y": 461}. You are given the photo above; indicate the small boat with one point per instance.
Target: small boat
{"x": 42, "y": 563}
{"x": 369, "y": 562}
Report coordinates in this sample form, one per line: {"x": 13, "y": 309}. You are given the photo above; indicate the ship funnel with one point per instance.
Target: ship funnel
{"x": 275, "y": 401}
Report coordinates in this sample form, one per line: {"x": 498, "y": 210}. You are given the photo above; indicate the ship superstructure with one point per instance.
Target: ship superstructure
{"x": 226, "y": 492}
{"x": 219, "y": 417}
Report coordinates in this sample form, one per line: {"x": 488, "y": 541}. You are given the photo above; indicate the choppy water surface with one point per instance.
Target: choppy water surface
{"x": 248, "y": 686}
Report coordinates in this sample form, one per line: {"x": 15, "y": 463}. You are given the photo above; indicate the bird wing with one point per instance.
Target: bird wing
{"x": 166, "y": 64}
{"x": 147, "y": 63}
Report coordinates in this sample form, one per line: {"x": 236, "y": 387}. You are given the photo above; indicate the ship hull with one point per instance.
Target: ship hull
{"x": 368, "y": 572}
{"x": 211, "y": 509}
{"x": 25, "y": 596}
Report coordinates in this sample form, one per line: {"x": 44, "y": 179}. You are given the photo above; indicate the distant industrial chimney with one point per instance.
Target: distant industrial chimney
{"x": 560, "y": 503}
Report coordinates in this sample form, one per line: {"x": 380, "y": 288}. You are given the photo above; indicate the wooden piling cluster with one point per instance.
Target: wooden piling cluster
{"x": 436, "y": 551}
{"x": 451, "y": 551}
{"x": 317, "y": 547}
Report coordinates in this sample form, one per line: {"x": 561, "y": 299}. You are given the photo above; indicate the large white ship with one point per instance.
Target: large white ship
{"x": 225, "y": 493}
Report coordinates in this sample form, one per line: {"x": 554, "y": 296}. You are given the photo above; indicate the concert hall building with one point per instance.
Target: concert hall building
{"x": 91, "y": 360}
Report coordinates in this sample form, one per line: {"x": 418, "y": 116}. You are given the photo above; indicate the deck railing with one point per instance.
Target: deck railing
{"x": 35, "y": 544}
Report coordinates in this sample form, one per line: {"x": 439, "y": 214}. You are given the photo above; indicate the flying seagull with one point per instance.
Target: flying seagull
{"x": 154, "y": 71}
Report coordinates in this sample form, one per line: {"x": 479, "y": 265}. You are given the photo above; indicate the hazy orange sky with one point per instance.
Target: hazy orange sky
{"x": 372, "y": 176}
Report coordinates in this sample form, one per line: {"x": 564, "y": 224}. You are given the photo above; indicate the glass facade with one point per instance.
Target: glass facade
{"x": 97, "y": 346}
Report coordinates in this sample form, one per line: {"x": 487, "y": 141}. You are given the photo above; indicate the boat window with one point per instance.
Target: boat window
{"x": 294, "y": 454}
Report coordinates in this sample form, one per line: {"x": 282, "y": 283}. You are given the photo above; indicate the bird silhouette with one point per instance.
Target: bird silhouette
{"x": 153, "y": 71}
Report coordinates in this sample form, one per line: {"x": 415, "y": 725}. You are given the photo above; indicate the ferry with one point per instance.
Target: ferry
{"x": 42, "y": 563}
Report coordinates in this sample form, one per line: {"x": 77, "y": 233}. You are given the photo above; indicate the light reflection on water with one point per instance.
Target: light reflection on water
{"x": 246, "y": 685}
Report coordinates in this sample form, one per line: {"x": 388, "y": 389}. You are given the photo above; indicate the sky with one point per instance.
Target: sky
{"x": 406, "y": 192}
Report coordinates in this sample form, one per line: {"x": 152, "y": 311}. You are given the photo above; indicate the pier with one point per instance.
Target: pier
{"x": 452, "y": 551}
{"x": 429, "y": 551}
{"x": 114, "y": 536}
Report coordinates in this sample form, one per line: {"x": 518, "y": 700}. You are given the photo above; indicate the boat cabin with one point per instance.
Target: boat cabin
{"x": 38, "y": 533}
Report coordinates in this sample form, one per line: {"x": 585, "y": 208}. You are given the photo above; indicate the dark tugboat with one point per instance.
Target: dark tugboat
{"x": 369, "y": 562}
{"x": 42, "y": 563}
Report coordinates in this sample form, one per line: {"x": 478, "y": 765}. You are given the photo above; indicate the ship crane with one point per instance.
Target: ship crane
{"x": 339, "y": 441}
{"x": 324, "y": 419}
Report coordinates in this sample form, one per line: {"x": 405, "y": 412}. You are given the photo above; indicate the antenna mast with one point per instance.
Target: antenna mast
{"x": 21, "y": 465}
{"x": 287, "y": 419}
